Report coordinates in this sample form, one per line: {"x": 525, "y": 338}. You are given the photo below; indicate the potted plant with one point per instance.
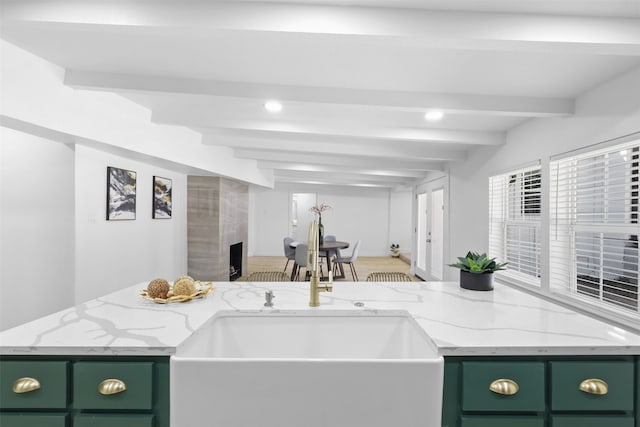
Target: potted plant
{"x": 395, "y": 250}
{"x": 476, "y": 271}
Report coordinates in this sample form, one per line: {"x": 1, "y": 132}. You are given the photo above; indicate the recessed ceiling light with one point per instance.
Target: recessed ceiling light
{"x": 433, "y": 115}
{"x": 273, "y": 106}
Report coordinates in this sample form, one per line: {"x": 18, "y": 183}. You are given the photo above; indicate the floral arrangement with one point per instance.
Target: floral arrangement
{"x": 318, "y": 209}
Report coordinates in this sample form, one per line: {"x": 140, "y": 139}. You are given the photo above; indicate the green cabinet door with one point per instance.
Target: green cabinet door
{"x": 566, "y": 378}
{"x": 478, "y": 376}
{"x": 450, "y": 393}
{"x": 501, "y": 421}
{"x": 591, "y": 421}
{"x": 115, "y": 420}
{"x": 137, "y": 377}
{"x": 51, "y": 376}
{"x": 637, "y": 392}
{"x": 33, "y": 420}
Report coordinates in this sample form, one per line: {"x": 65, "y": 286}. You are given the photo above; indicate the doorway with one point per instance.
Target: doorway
{"x": 430, "y": 209}
{"x": 301, "y": 216}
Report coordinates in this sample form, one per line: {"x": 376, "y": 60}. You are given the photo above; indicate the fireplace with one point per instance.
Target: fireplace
{"x": 235, "y": 261}
{"x": 217, "y": 217}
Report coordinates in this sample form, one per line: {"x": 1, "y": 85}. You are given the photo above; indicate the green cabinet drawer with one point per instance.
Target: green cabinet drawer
{"x": 33, "y": 420}
{"x": 591, "y": 421}
{"x": 115, "y": 420}
{"x": 477, "y": 377}
{"x": 137, "y": 376}
{"x": 567, "y": 376}
{"x": 638, "y": 392}
{"x": 51, "y": 375}
{"x": 501, "y": 421}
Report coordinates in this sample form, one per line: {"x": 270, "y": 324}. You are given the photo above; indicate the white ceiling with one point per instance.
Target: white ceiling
{"x": 354, "y": 77}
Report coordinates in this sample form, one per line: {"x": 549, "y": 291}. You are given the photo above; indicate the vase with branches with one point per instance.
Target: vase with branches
{"x": 318, "y": 209}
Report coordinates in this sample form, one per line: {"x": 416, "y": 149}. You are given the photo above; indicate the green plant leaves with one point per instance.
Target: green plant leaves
{"x": 478, "y": 263}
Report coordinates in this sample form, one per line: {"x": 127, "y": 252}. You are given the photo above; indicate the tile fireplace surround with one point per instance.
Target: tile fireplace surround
{"x": 217, "y": 217}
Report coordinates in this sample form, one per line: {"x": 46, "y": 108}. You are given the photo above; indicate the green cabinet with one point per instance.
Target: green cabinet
{"x": 83, "y": 391}
{"x": 49, "y": 380}
{"x": 102, "y": 420}
{"x": 136, "y": 379}
{"x": 567, "y": 377}
{"x": 500, "y": 421}
{"x": 591, "y": 421}
{"x": 637, "y": 392}
{"x": 553, "y": 391}
{"x": 32, "y": 420}
{"x": 477, "y": 378}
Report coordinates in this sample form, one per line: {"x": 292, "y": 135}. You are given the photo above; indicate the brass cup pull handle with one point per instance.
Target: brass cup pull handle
{"x": 504, "y": 386}
{"x": 25, "y": 385}
{"x": 111, "y": 386}
{"x": 594, "y": 386}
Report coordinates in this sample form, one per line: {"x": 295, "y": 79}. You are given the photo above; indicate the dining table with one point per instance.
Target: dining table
{"x": 330, "y": 248}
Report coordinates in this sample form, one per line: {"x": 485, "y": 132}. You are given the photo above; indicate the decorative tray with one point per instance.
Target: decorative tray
{"x": 202, "y": 289}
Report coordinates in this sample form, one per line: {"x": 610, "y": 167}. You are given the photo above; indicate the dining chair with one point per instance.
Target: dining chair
{"x": 325, "y": 254}
{"x": 301, "y": 259}
{"x": 268, "y": 276}
{"x": 388, "y": 276}
{"x": 289, "y": 252}
{"x": 351, "y": 259}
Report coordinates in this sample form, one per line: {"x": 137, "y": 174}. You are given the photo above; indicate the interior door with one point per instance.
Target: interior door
{"x": 430, "y": 226}
{"x": 301, "y": 217}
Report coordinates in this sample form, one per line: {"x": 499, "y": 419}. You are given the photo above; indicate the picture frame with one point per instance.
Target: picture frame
{"x": 121, "y": 194}
{"x": 162, "y": 198}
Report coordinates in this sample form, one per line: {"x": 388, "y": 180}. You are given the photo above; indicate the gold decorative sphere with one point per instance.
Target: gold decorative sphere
{"x": 158, "y": 288}
{"x": 184, "y": 285}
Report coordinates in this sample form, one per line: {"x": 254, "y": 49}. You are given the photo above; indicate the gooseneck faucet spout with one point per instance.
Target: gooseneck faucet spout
{"x": 313, "y": 261}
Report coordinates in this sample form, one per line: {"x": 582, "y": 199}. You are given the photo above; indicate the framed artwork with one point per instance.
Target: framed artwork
{"x": 161, "y": 197}
{"x": 121, "y": 194}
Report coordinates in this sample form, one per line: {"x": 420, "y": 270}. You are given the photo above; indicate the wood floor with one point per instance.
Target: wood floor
{"x": 364, "y": 265}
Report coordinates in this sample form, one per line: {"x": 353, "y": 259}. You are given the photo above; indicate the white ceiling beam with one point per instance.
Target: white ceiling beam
{"x": 463, "y": 30}
{"x": 340, "y": 160}
{"x": 393, "y": 135}
{"x": 520, "y": 106}
{"x": 344, "y": 176}
{"x": 384, "y": 148}
{"x": 339, "y": 180}
{"x": 285, "y": 166}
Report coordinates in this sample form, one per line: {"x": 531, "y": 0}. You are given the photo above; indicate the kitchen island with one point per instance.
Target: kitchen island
{"x": 476, "y": 332}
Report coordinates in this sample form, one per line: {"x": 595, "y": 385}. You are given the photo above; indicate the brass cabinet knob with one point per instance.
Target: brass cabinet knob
{"x": 111, "y": 386}
{"x": 504, "y": 386}
{"x": 25, "y": 385}
{"x": 594, "y": 386}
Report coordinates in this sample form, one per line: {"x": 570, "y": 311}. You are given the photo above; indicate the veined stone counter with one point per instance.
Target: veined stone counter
{"x": 460, "y": 322}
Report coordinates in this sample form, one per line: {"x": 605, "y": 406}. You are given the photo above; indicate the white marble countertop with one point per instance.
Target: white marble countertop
{"x": 461, "y": 322}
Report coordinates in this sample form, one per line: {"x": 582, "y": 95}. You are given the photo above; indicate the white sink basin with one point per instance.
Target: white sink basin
{"x": 307, "y": 368}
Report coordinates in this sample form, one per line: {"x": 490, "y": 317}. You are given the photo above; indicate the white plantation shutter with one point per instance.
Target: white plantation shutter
{"x": 594, "y": 226}
{"x": 515, "y": 221}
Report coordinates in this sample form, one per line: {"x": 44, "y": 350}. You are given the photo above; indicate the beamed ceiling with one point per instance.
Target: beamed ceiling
{"x": 354, "y": 78}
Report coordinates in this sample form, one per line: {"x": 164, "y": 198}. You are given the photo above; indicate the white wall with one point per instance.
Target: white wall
{"x": 376, "y": 217}
{"x": 115, "y": 254}
{"x": 37, "y": 227}
{"x": 400, "y": 217}
{"x": 33, "y": 91}
{"x": 605, "y": 112}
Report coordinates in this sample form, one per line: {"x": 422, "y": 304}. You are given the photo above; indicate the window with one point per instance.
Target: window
{"x": 515, "y": 220}
{"x": 594, "y": 226}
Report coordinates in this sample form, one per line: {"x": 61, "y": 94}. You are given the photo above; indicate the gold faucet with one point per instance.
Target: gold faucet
{"x": 314, "y": 262}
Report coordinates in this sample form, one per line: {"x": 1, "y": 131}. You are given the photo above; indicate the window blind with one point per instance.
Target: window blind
{"x": 594, "y": 228}
{"x": 515, "y": 221}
